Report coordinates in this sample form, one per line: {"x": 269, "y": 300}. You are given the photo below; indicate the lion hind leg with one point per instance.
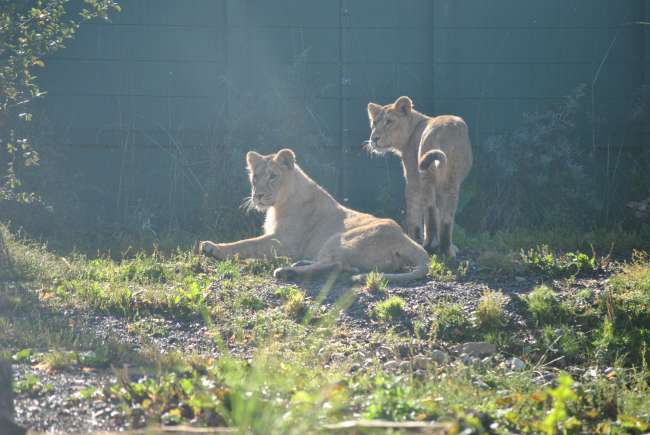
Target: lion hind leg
{"x": 306, "y": 272}
{"x": 432, "y": 225}
{"x": 448, "y": 203}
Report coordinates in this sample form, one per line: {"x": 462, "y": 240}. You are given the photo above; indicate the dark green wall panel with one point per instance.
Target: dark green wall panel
{"x": 269, "y": 73}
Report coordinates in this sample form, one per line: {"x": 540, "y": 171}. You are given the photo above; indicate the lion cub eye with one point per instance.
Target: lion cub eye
{"x": 389, "y": 121}
{"x": 272, "y": 176}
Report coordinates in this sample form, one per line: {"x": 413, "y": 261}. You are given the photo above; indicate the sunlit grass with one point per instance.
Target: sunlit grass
{"x": 303, "y": 367}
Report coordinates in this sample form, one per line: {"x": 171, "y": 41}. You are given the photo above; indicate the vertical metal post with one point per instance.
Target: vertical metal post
{"x": 341, "y": 95}
{"x": 644, "y": 41}
{"x": 226, "y": 60}
{"x": 432, "y": 53}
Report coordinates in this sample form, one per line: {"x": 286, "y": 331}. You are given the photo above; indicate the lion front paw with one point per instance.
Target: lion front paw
{"x": 209, "y": 249}
{"x": 285, "y": 274}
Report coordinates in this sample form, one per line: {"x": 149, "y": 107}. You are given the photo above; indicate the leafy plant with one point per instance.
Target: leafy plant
{"x": 542, "y": 259}
{"x": 491, "y": 313}
{"x": 565, "y": 342}
{"x": 32, "y": 386}
{"x": 392, "y": 400}
{"x": 296, "y": 305}
{"x": 451, "y": 322}
{"x": 439, "y": 271}
{"x": 390, "y": 310}
{"x": 31, "y": 31}
{"x": 626, "y": 304}
{"x": 375, "y": 283}
{"x": 543, "y": 304}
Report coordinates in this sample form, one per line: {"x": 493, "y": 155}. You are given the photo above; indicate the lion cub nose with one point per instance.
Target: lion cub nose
{"x": 376, "y": 138}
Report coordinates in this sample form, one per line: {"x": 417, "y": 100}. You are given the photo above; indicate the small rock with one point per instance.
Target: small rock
{"x": 517, "y": 364}
{"x": 476, "y": 348}
{"x": 439, "y": 356}
{"x": 422, "y": 362}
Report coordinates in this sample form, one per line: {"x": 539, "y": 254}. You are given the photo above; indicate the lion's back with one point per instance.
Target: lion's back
{"x": 450, "y": 134}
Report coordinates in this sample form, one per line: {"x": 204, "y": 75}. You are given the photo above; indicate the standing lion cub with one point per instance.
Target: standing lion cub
{"x": 305, "y": 222}
{"x": 436, "y": 156}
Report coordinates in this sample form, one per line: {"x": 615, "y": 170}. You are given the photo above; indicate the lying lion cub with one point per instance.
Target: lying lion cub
{"x": 436, "y": 156}
{"x": 304, "y": 222}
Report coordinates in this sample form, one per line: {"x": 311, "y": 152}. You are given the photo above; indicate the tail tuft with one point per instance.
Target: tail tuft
{"x": 428, "y": 159}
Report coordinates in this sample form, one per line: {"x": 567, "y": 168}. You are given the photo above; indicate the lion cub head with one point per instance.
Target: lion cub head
{"x": 390, "y": 125}
{"x": 270, "y": 177}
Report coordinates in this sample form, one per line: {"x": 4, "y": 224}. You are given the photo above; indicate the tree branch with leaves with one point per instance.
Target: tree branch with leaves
{"x": 30, "y": 31}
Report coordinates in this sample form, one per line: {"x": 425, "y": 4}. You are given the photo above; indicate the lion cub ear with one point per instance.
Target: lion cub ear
{"x": 404, "y": 104}
{"x": 286, "y": 158}
{"x": 373, "y": 110}
{"x": 252, "y": 157}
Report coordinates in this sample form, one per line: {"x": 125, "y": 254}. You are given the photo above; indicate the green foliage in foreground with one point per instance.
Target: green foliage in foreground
{"x": 31, "y": 31}
{"x": 308, "y": 369}
{"x": 283, "y": 392}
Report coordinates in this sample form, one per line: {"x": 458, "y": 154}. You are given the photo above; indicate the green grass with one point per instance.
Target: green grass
{"x": 490, "y": 313}
{"x": 287, "y": 363}
{"x": 626, "y": 307}
{"x": 439, "y": 270}
{"x": 543, "y": 304}
{"x": 542, "y": 259}
{"x": 390, "y": 310}
{"x": 451, "y": 323}
{"x": 375, "y": 283}
{"x": 296, "y": 305}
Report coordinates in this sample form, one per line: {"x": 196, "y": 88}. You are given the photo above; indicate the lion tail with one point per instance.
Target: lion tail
{"x": 418, "y": 258}
{"x": 432, "y": 159}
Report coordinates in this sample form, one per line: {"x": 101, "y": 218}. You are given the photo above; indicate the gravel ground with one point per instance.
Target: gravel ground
{"x": 58, "y": 408}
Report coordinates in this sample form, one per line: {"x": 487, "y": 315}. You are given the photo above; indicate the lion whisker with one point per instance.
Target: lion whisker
{"x": 247, "y": 204}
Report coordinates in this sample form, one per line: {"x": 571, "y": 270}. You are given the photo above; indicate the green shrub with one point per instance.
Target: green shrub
{"x": 490, "y": 313}
{"x": 296, "y": 305}
{"x": 375, "y": 283}
{"x": 542, "y": 259}
{"x": 392, "y": 400}
{"x": 450, "y": 322}
{"x": 392, "y": 309}
{"x": 626, "y": 304}
{"x": 543, "y": 304}
{"x": 566, "y": 342}
{"x": 439, "y": 271}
